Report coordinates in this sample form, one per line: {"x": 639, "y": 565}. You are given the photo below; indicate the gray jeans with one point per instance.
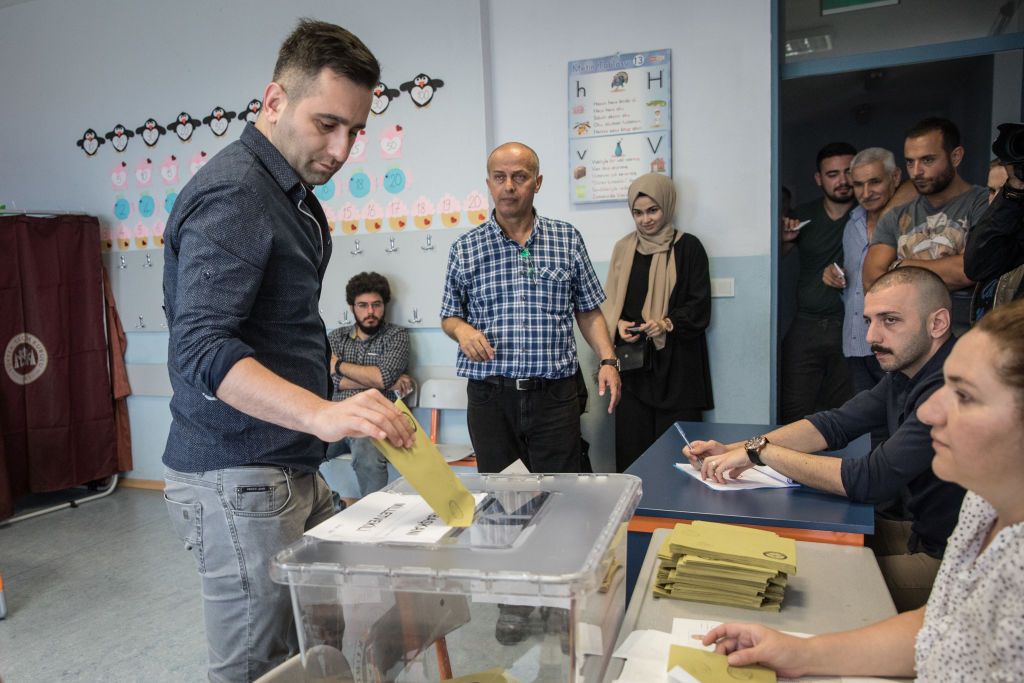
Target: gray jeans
{"x": 234, "y": 521}
{"x": 370, "y": 467}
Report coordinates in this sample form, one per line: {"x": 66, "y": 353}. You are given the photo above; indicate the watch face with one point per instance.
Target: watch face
{"x": 755, "y": 443}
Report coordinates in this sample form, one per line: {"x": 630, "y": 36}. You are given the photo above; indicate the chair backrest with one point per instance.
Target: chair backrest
{"x": 443, "y": 394}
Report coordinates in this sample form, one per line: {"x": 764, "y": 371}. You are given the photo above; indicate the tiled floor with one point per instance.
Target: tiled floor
{"x": 102, "y": 592}
{"x": 105, "y": 592}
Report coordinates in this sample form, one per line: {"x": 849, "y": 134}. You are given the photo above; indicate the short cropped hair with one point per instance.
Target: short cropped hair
{"x": 1005, "y": 325}
{"x": 367, "y": 283}
{"x": 317, "y": 45}
{"x": 835, "y": 149}
{"x": 931, "y": 290}
{"x": 873, "y": 154}
{"x": 950, "y": 133}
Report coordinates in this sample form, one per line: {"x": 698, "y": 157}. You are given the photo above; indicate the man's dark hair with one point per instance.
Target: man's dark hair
{"x": 317, "y": 45}
{"x": 930, "y": 288}
{"x": 367, "y": 283}
{"x": 950, "y": 133}
{"x": 835, "y": 149}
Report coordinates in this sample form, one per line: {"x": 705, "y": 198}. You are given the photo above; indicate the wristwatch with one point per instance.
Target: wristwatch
{"x": 754, "y": 447}
{"x": 667, "y": 324}
{"x": 614, "y": 362}
{"x": 337, "y": 368}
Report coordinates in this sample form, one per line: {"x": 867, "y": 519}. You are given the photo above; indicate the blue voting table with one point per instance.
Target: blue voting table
{"x": 670, "y": 496}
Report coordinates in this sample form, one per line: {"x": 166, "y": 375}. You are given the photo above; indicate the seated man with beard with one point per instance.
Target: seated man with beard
{"x": 370, "y": 354}
{"x": 908, "y": 316}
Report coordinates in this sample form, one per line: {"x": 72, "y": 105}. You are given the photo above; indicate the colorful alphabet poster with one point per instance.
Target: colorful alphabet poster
{"x": 620, "y": 123}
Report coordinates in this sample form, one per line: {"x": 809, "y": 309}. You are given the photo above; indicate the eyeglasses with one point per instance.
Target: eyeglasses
{"x": 528, "y": 269}
{"x": 364, "y": 305}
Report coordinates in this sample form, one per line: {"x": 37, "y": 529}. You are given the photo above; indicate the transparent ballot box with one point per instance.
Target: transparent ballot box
{"x": 533, "y": 590}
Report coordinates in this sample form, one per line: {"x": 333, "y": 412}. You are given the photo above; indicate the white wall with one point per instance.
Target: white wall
{"x": 721, "y": 88}
{"x": 62, "y": 61}
{"x": 721, "y": 118}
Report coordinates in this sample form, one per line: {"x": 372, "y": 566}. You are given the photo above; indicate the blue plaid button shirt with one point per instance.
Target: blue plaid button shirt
{"x": 521, "y": 299}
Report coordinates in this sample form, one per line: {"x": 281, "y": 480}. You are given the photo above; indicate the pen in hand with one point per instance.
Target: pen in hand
{"x": 683, "y": 434}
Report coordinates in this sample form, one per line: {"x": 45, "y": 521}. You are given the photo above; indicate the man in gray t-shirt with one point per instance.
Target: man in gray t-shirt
{"x": 931, "y": 231}
{"x": 921, "y": 231}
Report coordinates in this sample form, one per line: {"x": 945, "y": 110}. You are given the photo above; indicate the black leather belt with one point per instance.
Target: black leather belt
{"x": 521, "y": 384}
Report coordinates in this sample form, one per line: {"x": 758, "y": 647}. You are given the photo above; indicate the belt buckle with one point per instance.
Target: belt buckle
{"x": 523, "y": 383}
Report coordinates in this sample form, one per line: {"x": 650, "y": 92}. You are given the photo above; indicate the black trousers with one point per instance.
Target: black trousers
{"x": 638, "y": 425}
{"x": 814, "y": 374}
{"x": 540, "y": 426}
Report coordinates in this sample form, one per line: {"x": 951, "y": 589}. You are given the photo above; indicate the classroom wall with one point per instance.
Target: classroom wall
{"x": 721, "y": 117}
{"x": 49, "y": 50}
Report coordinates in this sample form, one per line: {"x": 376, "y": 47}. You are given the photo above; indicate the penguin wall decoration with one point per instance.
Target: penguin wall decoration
{"x": 184, "y": 126}
{"x": 218, "y": 120}
{"x": 119, "y": 137}
{"x": 421, "y": 89}
{"x": 252, "y": 110}
{"x": 90, "y": 141}
{"x": 150, "y": 132}
{"x": 382, "y": 96}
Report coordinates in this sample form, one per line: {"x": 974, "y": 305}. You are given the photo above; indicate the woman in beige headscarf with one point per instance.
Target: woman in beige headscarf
{"x": 659, "y": 294}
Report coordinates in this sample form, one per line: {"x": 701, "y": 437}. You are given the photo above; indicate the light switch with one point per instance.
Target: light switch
{"x": 723, "y": 287}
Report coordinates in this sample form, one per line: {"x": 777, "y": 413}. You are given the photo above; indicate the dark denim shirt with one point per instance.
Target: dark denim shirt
{"x": 246, "y": 247}
{"x": 904, "y": 459}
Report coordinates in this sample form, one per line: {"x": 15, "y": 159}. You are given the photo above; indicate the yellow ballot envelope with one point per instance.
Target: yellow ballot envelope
{"x": 496, "y": 675}
{"x": 424, "y": 467}
{"x": 707, "y": 667}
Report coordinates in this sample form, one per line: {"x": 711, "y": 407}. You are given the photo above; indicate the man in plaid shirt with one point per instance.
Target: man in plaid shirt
{"x": 370, "y": 354}
{"x": 512, "y": 288}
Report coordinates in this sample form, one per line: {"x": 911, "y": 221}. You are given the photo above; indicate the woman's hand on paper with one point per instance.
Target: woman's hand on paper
{"x": 747, "y": 644}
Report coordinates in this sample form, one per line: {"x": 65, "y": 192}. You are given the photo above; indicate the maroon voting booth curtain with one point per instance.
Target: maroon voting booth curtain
{"x": 56, "y": 407}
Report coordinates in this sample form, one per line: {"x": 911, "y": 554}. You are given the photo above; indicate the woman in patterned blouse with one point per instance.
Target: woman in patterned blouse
{"x": 971, "y": 629}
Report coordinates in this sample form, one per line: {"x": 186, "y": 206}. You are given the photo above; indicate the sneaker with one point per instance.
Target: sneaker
{"x": 513, "y": 624}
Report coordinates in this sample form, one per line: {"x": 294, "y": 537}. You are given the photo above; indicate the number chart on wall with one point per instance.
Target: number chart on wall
{"x": 620, "y": 123}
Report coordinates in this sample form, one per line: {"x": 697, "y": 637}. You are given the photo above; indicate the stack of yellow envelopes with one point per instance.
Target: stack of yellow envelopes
{"x": 725, "y": 565}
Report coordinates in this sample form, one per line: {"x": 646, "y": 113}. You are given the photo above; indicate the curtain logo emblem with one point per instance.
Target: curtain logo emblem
{"x": 25, "y": 358}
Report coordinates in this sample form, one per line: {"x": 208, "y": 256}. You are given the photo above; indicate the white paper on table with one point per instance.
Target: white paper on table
{"x": 386, "y": 516}
{"x": 644, "y": 671}
{"x": 754, "y": 478}
{"x": 680, "y": 675}
{"x": 689, "y": 632}
{"x": 646, "y": 644}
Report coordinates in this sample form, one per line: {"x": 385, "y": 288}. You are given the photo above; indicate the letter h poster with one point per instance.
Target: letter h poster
{"x": 620, "y": 123}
